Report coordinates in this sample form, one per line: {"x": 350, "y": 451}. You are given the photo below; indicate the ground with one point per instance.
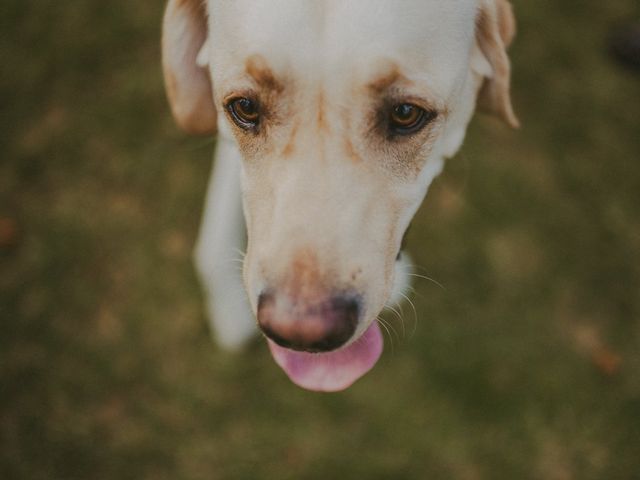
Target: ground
{"x": 523, "y": 366}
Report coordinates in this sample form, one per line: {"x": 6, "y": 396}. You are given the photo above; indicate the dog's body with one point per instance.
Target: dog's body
{"x": 333, "y": 118}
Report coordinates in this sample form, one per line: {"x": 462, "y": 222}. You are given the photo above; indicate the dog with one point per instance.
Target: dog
{"x": 332, "y": 120}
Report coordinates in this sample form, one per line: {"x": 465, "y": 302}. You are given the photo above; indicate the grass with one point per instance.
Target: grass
{"x": 524, "y": 367}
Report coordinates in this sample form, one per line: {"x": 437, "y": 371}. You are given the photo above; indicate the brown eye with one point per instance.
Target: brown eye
{"x": 245, "y": 112}
{"x": 407, "y": 118}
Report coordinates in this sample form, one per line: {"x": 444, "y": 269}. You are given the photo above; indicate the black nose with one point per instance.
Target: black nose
{"x": 312, "y": 327}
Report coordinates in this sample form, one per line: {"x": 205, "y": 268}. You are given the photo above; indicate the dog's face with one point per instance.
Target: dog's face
{"x": 344, "y": 113}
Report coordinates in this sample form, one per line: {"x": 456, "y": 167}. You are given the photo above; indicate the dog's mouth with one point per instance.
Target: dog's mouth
{"x": 331, "y": 371}
{"x": 333, "y": 363}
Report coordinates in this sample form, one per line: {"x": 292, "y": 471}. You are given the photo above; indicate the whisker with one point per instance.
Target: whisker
{"x": 415, "y": 293}
{"x": 384, "y": 325}
{"x": 408, "y": 270}
{"x": 238, "y": 264}
{"x": 390, "y": 307}
{"x": 429, "y": 279}
{"x": 235, "y": 260}
{"x": 420, "y": 267}
{"x": 415, "y": 313}
{"x": 240, "y": 252}
{"x": 404, "y": 331}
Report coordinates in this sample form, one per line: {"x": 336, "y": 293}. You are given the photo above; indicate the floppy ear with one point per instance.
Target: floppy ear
{"x": 188, "y": 84}
{"x": 495, "y": 29}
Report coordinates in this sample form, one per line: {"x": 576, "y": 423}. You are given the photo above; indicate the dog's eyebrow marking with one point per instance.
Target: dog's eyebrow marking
{"x": 389, "y": 75}
{"x": 257, "y": 68}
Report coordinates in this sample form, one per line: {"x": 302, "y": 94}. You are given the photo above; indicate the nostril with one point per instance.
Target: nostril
{"x": 265, "y": 299}
{"x": 347, "y": 307}
{"x": 266, "y": 306}
{"x": 317, "y": 327}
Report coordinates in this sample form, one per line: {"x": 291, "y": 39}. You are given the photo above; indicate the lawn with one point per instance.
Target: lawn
{"x": 525, "y": 365}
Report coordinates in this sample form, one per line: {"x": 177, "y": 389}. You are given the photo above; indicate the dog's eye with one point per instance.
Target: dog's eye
{"x": 406, "y": 118}
{"x": 245, "y": 112}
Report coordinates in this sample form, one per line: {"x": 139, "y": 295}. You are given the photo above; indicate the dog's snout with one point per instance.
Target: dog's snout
{"x": 313, "y": 327}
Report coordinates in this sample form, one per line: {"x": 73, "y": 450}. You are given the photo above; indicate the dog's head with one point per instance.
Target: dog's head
{"x": 344, "y": 113}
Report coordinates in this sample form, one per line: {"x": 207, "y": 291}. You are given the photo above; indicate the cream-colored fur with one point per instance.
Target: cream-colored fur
{"x": 326, "y": 196}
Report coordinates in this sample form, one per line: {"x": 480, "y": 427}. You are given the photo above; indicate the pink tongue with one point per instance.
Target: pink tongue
{"x": 332, "y": 371}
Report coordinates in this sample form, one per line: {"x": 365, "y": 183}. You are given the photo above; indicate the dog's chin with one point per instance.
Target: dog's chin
{"x": 331, "y": 371}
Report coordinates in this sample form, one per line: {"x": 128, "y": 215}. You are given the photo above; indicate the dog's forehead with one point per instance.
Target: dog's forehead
{"x": 322, "y": 38}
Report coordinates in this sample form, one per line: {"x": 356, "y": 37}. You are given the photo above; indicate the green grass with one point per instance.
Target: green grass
{"x": 526, "y": 366}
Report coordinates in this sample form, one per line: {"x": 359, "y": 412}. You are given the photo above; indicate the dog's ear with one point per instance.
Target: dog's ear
{"x": 184, "y": 54}
{"x": 495, "y": 29}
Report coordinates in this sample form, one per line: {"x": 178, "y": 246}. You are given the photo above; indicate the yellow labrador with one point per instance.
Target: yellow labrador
{"x": 333, "y": 117}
